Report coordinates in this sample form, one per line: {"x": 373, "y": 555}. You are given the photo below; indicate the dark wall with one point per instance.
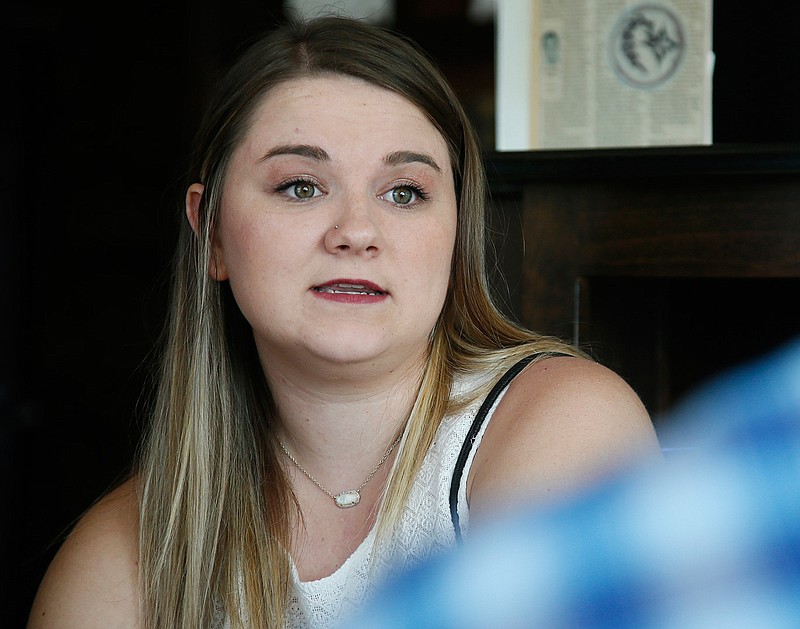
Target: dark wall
{"x": 756, "y": 86}
{"x": 98, "y": 110}
{"x": 97, "y": 116}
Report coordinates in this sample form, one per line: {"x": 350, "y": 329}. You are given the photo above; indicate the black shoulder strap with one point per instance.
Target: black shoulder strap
{"x": 474, "y": 429}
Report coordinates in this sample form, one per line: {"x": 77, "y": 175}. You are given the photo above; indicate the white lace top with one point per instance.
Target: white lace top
{"x": 425, "y": 528}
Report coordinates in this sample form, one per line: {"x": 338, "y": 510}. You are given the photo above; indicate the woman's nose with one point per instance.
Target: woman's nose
{"x": 354, "y": 229}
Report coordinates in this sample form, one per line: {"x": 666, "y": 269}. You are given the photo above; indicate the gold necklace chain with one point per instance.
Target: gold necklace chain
{"x": 351, "y": 497}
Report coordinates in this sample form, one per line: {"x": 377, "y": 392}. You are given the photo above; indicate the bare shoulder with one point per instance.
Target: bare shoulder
{"x": 563, "y": 423}
{"x": 92, "y": 580}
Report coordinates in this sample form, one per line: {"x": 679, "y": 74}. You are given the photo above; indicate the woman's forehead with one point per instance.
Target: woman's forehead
{"x": 342, "y": 110}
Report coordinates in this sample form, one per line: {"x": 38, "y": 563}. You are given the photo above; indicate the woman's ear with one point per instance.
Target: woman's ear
{"x": 194, "y": 197}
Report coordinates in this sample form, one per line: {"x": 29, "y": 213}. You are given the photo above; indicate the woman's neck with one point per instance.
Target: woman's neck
{"x": 342, "y": 423}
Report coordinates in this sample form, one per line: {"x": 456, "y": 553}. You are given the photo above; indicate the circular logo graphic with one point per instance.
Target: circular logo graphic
{"x": 647, "y": 45}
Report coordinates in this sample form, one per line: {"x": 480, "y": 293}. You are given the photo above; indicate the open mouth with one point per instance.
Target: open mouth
{"x": 341, "y": 288}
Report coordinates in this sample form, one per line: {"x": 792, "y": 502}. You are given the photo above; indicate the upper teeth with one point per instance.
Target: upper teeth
{"x": 348, "y": 289}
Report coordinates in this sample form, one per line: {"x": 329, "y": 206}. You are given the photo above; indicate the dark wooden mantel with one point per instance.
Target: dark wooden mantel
{"x": 587, "y": 216}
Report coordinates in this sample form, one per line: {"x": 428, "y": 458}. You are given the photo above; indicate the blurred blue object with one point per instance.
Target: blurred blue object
{"x": 709, "y": 540}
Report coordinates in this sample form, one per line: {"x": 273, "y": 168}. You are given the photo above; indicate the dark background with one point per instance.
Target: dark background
{"x": 98, "y": 109}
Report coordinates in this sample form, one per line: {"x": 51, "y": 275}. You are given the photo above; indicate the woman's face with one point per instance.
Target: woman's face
{"x": 337, "y": 226}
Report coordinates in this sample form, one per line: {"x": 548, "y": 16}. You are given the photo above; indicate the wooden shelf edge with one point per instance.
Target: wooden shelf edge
{"x": 510, "y": 170}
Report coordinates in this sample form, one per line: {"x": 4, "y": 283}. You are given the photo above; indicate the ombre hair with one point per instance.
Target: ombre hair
{"x": 215, "y": 503}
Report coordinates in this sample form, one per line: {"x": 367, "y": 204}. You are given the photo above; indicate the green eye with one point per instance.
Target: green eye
{"x": 304, "y": 190}
{"x": 402, "y": 195}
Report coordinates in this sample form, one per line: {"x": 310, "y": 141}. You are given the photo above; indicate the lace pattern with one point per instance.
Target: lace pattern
{"x": 424, "y": 530}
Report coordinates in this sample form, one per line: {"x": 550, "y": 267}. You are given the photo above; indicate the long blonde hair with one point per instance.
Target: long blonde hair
{"x": 214, "y": 500}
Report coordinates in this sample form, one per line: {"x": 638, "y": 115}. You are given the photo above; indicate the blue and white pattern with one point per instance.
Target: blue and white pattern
{"x": 711, "y": 539}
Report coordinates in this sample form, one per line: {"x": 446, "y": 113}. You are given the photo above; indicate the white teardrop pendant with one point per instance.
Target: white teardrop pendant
{"x": 347, "y": 499}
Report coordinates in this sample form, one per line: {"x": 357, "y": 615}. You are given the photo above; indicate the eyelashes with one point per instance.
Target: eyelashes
{"x": 404, "y": 193}
{"x": 300, "y": 188}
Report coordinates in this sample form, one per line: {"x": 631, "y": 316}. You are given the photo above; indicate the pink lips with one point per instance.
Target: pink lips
{"x": 350, "y": 291}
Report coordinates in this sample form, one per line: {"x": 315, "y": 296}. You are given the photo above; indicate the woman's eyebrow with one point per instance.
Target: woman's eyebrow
{"x": 304, "y": 150}
{"x": 406, "y": 157}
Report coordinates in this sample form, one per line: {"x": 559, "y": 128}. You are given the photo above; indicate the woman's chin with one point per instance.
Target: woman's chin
{"x": 346, "y": 348}
{"x": 361, "y": 356}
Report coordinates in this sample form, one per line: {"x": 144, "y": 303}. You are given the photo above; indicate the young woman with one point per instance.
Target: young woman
{"x": 339, "y": 397}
